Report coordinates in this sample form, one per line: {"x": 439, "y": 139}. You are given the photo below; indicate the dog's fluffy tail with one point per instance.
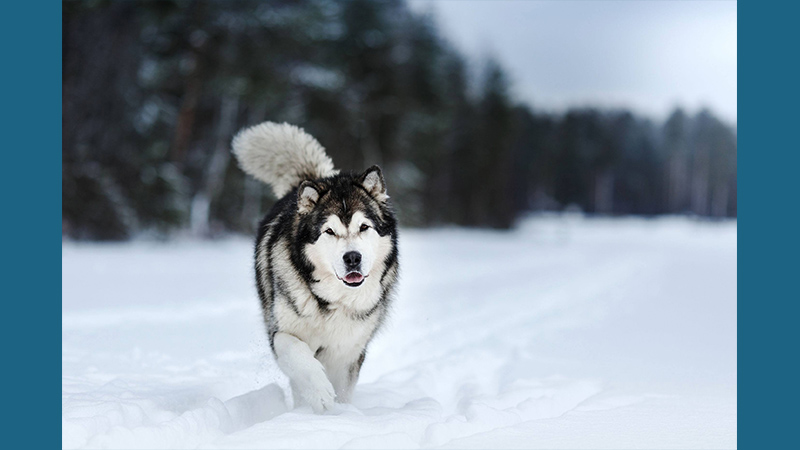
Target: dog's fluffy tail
{"x": 281, "y": 155}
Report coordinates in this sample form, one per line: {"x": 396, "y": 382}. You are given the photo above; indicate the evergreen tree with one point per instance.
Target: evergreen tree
{"x": 153, "y": 93}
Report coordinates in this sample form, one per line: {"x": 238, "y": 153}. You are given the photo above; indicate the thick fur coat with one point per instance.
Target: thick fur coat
{"x": 326, "y": 260}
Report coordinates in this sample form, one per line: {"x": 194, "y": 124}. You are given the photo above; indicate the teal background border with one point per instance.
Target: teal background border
{"x": 30, "y": 37}
{"x": 769, "y": 223}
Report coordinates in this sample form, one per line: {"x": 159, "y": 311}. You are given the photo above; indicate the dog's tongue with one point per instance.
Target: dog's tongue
{"x": 353, "y": 277}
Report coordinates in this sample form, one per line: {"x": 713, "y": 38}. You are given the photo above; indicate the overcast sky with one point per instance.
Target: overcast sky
{"x": 645, "y": 55}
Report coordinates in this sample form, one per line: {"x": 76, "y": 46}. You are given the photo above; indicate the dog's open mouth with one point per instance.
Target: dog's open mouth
{"x": 353, "y": 279}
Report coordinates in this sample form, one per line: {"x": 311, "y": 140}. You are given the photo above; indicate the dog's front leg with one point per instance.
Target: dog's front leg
{"x": 343, "y": 373}
{"x": 309, "y": 382}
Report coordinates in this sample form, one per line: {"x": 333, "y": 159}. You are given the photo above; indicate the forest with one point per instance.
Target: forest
{"x": 153, "y": 93}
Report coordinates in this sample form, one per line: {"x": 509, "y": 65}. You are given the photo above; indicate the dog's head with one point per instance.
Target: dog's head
{"x": 347, "y": 228}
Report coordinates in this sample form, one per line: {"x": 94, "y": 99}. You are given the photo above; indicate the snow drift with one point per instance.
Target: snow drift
{"x": 567, "y": 333}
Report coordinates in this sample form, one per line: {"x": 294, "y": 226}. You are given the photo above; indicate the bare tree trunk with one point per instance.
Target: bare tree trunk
{"x": 700, "y": 182}
{"x": 217, "y": 166}
{"x": 719, "y": 201}
{"x": 186, "y": 118}
{"x": 678, "y": 183}
{"x": 194, "y": 86}
{"x": 367, "y": 141}
{"x": 604, "y": 192}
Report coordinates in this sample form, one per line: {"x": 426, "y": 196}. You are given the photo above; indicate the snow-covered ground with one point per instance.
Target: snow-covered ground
{"x": 566, "y": 333}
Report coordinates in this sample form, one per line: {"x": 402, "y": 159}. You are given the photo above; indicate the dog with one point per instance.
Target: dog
{"x": 326, "y": 260}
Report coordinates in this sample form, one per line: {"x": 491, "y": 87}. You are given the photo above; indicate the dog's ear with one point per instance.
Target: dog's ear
{"x": 372, "y": 180}
{"x": 307, "y": 196}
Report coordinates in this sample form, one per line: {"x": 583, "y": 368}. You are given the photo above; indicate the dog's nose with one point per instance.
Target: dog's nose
{"x": 352, "y": 259}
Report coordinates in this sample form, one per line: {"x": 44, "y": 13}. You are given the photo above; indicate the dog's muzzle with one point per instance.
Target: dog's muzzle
{"x": 352, "y": 262}
{"x": 353, "y": 279}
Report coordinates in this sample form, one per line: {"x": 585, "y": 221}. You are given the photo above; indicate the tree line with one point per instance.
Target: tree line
{"x": 154, "y": 91}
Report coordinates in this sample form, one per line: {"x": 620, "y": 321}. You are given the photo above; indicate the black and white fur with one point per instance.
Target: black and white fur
{"x": 326, "y": 260}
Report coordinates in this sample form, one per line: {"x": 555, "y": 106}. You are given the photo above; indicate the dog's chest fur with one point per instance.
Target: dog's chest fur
{"x": 335, "y": 332}
{"x": 335, "y": 322}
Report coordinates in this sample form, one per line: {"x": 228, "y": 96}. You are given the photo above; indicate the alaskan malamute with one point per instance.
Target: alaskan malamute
{"x": 325, "y": 257}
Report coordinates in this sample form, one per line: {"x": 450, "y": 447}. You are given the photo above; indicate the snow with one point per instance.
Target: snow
{"x": 565, "y": 333}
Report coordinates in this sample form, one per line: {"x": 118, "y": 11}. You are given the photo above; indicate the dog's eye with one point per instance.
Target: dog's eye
{"x": 364, "y": 227}
{"x": 329, "y": 231}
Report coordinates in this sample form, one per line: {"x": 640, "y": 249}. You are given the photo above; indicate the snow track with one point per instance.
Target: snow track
{"x": 568, "y": 332}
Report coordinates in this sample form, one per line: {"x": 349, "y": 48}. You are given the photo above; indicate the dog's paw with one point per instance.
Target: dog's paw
{"x": 316, "y": 390}
{"x": 319, "y": 394}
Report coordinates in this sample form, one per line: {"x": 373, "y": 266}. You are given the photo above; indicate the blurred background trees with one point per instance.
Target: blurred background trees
{"x": 154, "y": 91}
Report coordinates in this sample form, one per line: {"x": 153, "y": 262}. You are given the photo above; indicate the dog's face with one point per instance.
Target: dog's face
{"x": 348, "y": 229}
{"x": 350, "y": 248}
